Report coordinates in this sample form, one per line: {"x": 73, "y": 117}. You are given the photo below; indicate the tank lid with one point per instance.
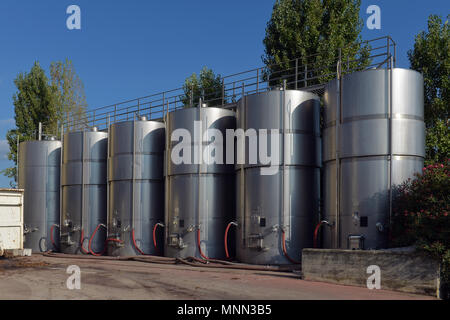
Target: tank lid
{"x": 48, "y": 138}
{"x": 94, "y": 129}
{"x": 143, "y": 118}
{"x": 277, "y": 88}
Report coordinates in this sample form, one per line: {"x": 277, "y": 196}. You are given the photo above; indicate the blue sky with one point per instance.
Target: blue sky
{"x": 127, "y": 49}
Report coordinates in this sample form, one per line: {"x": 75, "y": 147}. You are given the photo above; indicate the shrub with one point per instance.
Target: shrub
{"x": 421, "y": 214}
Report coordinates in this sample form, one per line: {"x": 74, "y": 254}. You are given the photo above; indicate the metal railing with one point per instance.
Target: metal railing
{"x": 304, "y": 73}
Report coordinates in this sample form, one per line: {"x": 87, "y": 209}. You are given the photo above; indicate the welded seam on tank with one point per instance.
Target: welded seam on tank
{"x": 138, "y": 153}
{"x": 39, "y": 166}
{"x": 375, "y": 117}
{"x": 84, "y": 213}
{"x": 129, "y": 179}
{"x": 255, "y": 166}
{"x": 373, "y": 157}
{"x": 86, "y": 184}
{"x": 203, "y": 174}
{"x": 299, "y": 131}
{"x": 87, "y": 160}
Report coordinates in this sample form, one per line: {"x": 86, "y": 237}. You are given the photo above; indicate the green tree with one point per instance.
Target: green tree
{"x": 431, "y": 57}
{"x": 421, "y": 216}
{"x": 206, "y": 85}
{"x": 71, "y": 97}
{"x": 35, "y": 101}
{"x": 313, "y": 31}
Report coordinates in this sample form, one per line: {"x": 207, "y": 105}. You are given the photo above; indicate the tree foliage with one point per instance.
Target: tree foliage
{"x": 71, "y": 97}
{"x": 421, "y": 216}
{"x": 421, "y": 207}
{"x": 431, "y": 57}
{"x": 206, "y": 85}
{"x": 35, "y": 101}
{"x": 50, "y": 101}
{"x": 313, "y": 31}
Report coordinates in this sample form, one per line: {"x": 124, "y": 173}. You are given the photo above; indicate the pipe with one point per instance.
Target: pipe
{"x": 135, "y": 244}
{"x": 81, "y": 257}
{"x": 283, "y": 240}
{"x": 51, "y": 235}
{"x": 163, "y": 260}
{"x": 90, "y": 242}
{"x": 236, "y": 266}
{"x": 106, "y": 242}
{"x": 112, "y": 240}
{"x": 199, "y": 246}
{"x": 226, "y": 238}
{"x": 81, "y": 243}
{"x": 316, "y": 230}
{"x": 159, "y": 224}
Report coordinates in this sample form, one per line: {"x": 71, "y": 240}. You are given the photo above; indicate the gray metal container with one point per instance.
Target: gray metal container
{"x": 380, "y": 117}
{"x": 136, "y": 186}
{"x": 39, "y": 175}
{"x": 83, "y": 191}
{"x": 287, "y": 200}
{"x": 199, "y": 197}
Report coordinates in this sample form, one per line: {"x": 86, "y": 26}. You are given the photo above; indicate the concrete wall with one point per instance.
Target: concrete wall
{"x": 404, "y": 271}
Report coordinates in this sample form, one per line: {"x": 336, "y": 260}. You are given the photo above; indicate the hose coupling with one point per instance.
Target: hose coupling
{"x": 379, "y": 227}
{"x": 327, "y": 223}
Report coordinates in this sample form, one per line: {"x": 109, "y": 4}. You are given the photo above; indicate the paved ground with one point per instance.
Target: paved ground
{"x": 40, "y": 277}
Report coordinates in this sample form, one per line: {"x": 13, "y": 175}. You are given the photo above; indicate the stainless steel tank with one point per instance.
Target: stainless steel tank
{"x": 199, "y": 196}
{"x": 39, "y": 175}
{"x": 136, "y": 186}
{"x": 380, "y": 117}
{"x": 83, "y": 188}
{"x": 285, "y": 203}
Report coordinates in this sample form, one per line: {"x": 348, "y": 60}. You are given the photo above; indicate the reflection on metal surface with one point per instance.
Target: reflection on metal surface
{"x": 286, "y": 204}
{"x": 39, "y": 167}
{"x": 199, "y": 197}
{"x": 367, "y": 137}
{"x": 83, "y": 187}
{"x": 136, "y": 186}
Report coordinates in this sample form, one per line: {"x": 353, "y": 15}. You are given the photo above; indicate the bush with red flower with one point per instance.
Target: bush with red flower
{"x": 421, "y": 213}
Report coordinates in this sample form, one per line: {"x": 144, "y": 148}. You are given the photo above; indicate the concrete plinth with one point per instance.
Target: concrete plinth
{"x": 400, "y": 270}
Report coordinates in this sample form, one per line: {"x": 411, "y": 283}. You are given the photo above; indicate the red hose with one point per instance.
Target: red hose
{"x": 51, "y": 235}
{"x": 226, "y": 239}
{"x": 81, "y": 243}
{"x": 283, "y": 240}
{"x": 90, "y": 243}
{"x": 135, "y": 245}
{"x": 316, "y": 232}
{"x": 110, "y": 240}
{"x": 154, "y": 236}
{"x": 199, "y": 246}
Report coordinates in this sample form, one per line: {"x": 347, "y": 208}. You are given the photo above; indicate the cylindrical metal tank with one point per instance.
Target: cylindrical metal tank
{"x": 284, "y": 202}
{"x": 39, "y": 175}
{"x": 199, "y": 190}
{"x": 380, "y": 117}
{"x": 136, "y": 186}
{"x": 83, "y": 188}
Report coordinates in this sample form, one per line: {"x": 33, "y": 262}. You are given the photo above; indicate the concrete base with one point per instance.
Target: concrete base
{"x": 400, "y": 270}
{"x": 10, "y": 253}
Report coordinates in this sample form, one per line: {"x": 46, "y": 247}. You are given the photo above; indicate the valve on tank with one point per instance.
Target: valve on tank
{"x": 176, "y": 241}
{"x": 66, "y": 236}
